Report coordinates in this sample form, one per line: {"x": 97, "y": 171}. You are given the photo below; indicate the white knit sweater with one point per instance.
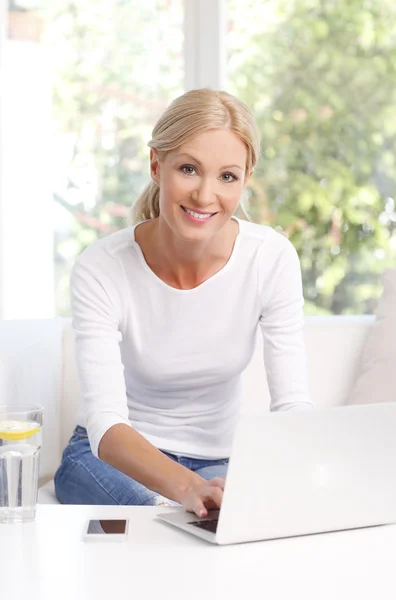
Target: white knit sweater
{"x": 168, "y": 361}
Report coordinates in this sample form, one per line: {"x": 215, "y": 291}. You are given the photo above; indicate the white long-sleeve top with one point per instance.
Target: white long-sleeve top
{"x": 168, "y": 362}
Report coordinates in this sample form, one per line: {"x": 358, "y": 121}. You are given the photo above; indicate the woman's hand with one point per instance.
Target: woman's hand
{"x": 204, "y": 496}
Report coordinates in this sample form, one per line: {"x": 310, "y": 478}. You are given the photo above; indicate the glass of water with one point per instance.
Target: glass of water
{"x": 20, "y": 445}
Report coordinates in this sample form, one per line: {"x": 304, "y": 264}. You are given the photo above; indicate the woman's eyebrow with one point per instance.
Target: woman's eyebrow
{"x": 191, "y": 157}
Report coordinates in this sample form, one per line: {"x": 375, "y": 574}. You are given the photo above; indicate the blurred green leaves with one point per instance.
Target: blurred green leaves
{"x": 320, "y": 77}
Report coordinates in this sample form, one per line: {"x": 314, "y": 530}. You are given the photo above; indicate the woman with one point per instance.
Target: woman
{"x": 166, "y": 313}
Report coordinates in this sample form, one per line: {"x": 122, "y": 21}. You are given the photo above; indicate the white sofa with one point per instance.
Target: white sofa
{"x": 37, "y": 365}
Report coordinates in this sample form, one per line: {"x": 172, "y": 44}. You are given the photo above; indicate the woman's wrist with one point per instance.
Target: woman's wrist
{"x": 191, "y": 480}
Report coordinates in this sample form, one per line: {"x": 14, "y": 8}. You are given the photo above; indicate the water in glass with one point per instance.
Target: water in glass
{"x": 20, "y": 444}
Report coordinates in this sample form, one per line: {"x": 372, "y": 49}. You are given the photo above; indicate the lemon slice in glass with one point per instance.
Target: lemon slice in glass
{"x": 18, "y": 430}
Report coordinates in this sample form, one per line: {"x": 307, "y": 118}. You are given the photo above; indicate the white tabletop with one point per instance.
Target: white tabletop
{"x": 48, "y": 559}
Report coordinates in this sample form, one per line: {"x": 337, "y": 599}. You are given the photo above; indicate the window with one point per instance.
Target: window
{"x": 115, "y": 67}
{"x": 321, "y": 80}
{"x": 319, "y": 77}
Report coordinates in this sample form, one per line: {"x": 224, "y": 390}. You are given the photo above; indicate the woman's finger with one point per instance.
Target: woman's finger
{"x": 217, "y": 481}
{"x": 199, "y": 508}
{"x": 207, "y": 496}
{"x": 214, "y": 494}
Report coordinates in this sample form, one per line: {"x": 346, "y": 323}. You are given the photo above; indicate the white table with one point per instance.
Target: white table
{"x": 48, "y": 560}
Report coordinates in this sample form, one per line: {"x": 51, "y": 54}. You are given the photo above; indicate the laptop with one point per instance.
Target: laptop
{"x": 304, "y": 472}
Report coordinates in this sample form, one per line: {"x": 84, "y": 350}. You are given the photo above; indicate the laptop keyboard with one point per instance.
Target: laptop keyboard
{"x": 210, "y": 525}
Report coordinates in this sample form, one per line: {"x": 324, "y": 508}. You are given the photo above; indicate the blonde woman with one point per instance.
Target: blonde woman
{"x": 166, "y": 312}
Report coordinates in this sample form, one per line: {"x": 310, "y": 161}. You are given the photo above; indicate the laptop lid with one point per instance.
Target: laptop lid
{"x": 301, "y": 472}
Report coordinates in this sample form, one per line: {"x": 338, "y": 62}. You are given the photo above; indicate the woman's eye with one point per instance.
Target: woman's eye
{"x": 190, "y": 170}
{"x": 231, "y": 177}
{"x": 187, "y": 169}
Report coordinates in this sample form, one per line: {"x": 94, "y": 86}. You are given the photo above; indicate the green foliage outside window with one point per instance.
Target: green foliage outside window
{"x": 320, "y": 76}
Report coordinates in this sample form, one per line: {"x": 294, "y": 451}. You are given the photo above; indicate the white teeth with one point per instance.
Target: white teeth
{"x": 197, "y": 215}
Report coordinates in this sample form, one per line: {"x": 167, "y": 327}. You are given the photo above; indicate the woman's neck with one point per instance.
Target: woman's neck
{"x": 182, "y": 264}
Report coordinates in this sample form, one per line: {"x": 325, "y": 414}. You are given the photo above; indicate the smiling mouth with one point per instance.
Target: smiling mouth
{"x": 198, "y": 215}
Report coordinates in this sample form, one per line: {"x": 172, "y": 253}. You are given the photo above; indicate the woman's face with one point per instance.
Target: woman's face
{"x": 206, "y": 175}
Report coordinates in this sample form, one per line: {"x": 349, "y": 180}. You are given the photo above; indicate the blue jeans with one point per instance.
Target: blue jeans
{"x": 84, "y": 479}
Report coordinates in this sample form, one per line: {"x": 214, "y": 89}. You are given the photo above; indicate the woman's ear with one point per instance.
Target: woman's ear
{"x": 247, "y": 178}
{"x": 154, "y": 166}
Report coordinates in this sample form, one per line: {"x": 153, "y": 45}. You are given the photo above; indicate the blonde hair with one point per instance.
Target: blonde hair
{"x": 188, "y": 115}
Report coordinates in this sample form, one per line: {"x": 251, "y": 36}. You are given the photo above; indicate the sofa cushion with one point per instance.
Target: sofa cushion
{"x": 31, "y": 373}
{"x": 376, "y": 381}
{"x": 71, "y": 387}
{"x": 46, "y": 494}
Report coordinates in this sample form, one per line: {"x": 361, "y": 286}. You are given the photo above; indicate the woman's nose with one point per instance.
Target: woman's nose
{"x": 205, "y": 192}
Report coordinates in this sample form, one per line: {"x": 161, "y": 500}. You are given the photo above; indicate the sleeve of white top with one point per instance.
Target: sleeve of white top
{"x": 96, "y": 310}
{"x": 281, "y": 324}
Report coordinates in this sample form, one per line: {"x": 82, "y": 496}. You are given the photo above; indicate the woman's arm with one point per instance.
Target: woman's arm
{"x": 281, "y": 324}
{"x": 97, "y": 296}
{"x": 127, "y": 450}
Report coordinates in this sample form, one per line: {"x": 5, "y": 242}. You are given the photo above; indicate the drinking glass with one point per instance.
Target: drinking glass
{"x": 20, "y": 446}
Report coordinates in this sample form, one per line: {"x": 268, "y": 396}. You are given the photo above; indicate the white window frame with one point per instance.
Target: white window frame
{"x": 3, "y": 32}
{"x": 26, "y": 246}
{"x": 204, "y": 44}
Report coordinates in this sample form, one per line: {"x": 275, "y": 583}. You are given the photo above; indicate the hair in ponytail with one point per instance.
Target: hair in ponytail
{"x": 147, "y": 205}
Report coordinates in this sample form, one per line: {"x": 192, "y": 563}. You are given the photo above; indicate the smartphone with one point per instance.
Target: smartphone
{"x": 108, "y": 530}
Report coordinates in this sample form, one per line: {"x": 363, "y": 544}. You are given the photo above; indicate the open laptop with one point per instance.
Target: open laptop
{"x": 303, "y": 472}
